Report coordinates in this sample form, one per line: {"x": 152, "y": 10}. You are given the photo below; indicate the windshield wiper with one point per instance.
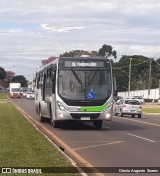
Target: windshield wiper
{"x": 93, "y": 77}
{"x": 79, "y": 81}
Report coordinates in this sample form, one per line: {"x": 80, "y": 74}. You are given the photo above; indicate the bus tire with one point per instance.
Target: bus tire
{"x": 42, "y": 118}
{"x": 98, "y": 124}
{"x": 55, "y": 124}
{"x": 139, "y": 116}
{"x": 36, "y": 109}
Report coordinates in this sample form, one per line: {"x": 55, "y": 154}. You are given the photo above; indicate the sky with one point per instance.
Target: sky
{"x": 33, "y": 30}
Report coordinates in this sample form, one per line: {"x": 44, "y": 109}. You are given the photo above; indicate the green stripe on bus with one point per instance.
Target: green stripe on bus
{"x": 93, "y": 108}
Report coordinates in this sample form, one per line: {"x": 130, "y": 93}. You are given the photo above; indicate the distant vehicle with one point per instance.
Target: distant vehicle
{"x": 14, "y": 89}
{"x": 29, "y": 95}
{"x": 128, "y": 107}
{"x": 75, "y": 89}
{"x": 140, "y": 98}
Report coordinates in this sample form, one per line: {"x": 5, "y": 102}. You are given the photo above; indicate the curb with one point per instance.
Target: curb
{"x": 79, "y": 162}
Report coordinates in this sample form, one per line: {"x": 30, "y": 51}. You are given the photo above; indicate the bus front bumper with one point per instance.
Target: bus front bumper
{"x": 89, "y": 116}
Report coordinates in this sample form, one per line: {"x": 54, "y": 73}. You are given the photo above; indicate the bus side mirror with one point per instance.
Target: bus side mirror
{"x": 114, "y": 86}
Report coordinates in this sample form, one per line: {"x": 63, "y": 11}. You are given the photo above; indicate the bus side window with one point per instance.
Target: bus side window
{"x": 43, "y": 87}
{"x": 53, "y": 79}
{"x": 38, "y": 82}
{"x": 48, "y": 84}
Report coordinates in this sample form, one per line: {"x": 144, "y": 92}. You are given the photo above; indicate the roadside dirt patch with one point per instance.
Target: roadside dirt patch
{"x": 151, "y": 105}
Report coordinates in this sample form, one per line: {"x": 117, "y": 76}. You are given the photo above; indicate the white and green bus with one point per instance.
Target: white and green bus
{"x": 75, "y": 89}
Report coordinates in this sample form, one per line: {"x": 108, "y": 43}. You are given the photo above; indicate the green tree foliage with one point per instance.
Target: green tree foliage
{"x": 78, "y": 53}
{"x": 107, "y": 51}
{"x": 140, "y": 66}
{"x": 20, "y": 79}
{"x": 2, "y": 73}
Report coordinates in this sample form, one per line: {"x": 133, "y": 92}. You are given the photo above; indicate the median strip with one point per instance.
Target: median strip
{"x": 22, "y": 146}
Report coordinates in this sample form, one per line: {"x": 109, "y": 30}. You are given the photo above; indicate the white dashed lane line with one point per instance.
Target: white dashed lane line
{"x": 98, "y": 145}
{"x": 141, "y": 137}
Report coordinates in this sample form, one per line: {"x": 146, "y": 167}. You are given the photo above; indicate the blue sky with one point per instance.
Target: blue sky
{"x": 34, "y": 30}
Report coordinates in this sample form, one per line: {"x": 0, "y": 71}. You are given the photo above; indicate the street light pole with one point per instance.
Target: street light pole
{"x": 159, "y": 88}
{"x": 149, "y": 81}
{"x": 129, "y": 82}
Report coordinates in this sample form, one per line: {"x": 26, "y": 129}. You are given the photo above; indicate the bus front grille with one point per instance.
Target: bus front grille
{"x": 78, "y": 116}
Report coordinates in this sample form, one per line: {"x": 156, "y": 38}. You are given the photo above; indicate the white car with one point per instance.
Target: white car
{"x": 30, "y": 95}
{"x": 140, "y": 98}
{"x": 128, "y": 107}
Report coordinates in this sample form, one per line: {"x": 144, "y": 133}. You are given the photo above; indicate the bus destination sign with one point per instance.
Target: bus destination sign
{"x": 86, "y": 63}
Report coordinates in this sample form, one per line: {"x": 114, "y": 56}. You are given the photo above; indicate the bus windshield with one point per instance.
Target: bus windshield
{"x": 84, "y": 85}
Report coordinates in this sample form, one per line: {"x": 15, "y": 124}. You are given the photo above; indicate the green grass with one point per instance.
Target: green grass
{"x": 151, "y": 110}
{"x": 21, "y": 145}
{"x": 2, "y": 96}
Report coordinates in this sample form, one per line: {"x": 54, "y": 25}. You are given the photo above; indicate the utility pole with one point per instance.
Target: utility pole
{"x": 129, "y": 82}
{"x": 159, "y": 88}
{"x": 149, "y": 81}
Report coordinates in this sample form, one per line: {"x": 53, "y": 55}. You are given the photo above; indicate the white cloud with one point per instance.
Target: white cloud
{"x": 11, "y": 31}
{"x": 131, "y": 27}
{"x": 61, "y": 29}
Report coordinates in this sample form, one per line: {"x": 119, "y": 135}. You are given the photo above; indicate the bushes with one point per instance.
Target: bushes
{"x": 150, "y": 100}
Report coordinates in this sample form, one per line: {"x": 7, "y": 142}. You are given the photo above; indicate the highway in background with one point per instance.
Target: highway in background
{"x": 123, "y": 142}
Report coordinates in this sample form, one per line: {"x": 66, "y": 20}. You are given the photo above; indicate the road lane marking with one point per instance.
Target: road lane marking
{"x": 90, "y": 141}
{"x": 99, "y": 145}
{"x": 148, "y": 123}
{"x": 141, "y": 137}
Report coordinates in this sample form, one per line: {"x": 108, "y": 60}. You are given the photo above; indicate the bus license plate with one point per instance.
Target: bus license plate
{"x": 85, "y": 118}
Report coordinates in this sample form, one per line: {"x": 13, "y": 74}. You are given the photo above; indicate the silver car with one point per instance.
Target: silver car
{"x": 128, "y": 107}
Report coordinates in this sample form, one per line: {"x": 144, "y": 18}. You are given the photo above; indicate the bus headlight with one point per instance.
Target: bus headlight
{"x": 108, "y": 116}
{"x": 61, "y": 107}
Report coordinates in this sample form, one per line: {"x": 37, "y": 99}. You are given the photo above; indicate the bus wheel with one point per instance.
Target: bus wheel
{"x": 55, "y": 124}
{"x": 42, "y": 118}
{"x": 98, "y": 124}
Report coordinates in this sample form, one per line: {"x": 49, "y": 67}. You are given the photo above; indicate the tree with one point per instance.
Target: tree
{"x": 20, "y": 79}
{"x": 78, "y": 53}
{"x": 139, "y": 72}
{"x": 107, "y": 51}
{"x": 9, "y": 74}
{"x": 2, "y": 73}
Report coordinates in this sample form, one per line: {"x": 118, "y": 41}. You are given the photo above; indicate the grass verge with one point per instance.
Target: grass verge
{"x": 151, "y": 110}
{"x": 2, "y": 96}
{"x": 21, "y": 145}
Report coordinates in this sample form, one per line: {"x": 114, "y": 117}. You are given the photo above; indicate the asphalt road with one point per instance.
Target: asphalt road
{"x": 123, "y": 142}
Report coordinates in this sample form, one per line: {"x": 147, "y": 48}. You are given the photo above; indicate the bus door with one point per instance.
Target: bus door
{"x": 53, "y": 104}
{"x": 43, "y": 93}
